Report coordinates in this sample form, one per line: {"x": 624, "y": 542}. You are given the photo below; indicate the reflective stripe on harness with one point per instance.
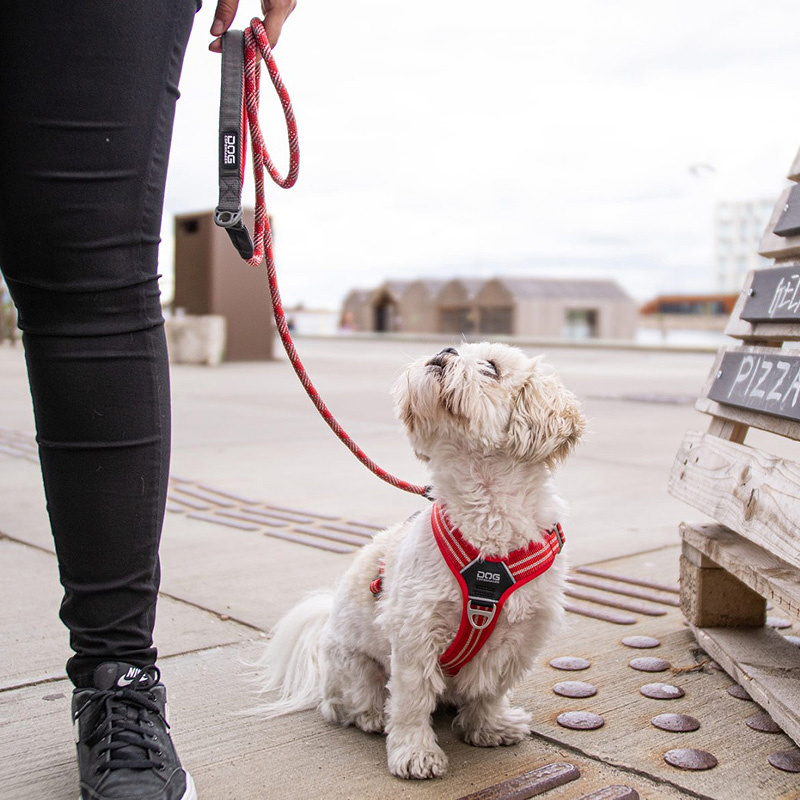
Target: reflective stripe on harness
{"x": 486, "y": 583}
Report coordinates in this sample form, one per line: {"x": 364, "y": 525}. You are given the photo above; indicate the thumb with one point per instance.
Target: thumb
{"x": 223, "y": 16}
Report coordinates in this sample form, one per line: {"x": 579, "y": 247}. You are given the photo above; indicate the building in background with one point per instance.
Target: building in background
{"x": 419, "y": 312}
{"x": 356, "y": 311}
{"x": 564, "y": 309}
{"x": 738, "y": 227}
{"x": 527, "y": 307}
{"x": 687, "y": 312}
{"x": 456, "y": 311}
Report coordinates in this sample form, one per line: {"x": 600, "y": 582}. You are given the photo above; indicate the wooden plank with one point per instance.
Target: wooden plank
{"x": 745, "y": 416}
{"x": 773, "y": 246}
{"x": 753, "y": 493}
{"x": 711, "y": 596}
{"x": 725, "y": 429}
{"x": 794, "y": 170}
{"x": 762, "y": 571}
{"x": 765, "y": 664}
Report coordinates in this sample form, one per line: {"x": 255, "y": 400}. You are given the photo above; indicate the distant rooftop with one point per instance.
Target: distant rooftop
{"x": 567, "y": 287}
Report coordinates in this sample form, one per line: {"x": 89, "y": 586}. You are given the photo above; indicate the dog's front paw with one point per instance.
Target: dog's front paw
{"x": 417, "y": 763}
{"x": 510, "y": 727}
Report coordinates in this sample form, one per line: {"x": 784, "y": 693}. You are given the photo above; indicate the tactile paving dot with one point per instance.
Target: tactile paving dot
{"x": 649, "y": 664}
{"x": 571, "y": 663}
{"x": 662, "y": 691}
{"x": 575, "y": 689}
{"x": 786, "y": 760}
{"x": 738, "y": 692}
{"x": 580, "y": 720}
{"x": 641, "y": 642}
{"x": 778, "y": 622}
{"x": 763, "y": 723}
{"x": 679, "y": 723}
{"x": 689, "y": 758}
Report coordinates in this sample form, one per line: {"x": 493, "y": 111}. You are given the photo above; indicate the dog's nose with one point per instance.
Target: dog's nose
{"x": 440, "y": 358}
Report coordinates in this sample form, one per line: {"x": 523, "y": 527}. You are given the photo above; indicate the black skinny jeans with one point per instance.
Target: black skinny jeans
{"x": 87, "y": 101}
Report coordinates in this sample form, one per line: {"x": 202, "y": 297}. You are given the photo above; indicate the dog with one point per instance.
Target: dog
{"x": 491, "y": 424}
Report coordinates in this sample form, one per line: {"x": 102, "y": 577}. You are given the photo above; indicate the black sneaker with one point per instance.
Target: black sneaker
{"x": 124, "y": 748}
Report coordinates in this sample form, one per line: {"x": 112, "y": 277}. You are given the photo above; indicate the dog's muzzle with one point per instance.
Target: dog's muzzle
{"x": 441, "y": 358}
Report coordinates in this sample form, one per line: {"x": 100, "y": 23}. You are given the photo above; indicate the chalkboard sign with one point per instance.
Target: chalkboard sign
{"x": 769, "y": 383}
{"x": 788, "y": 223}
{"x": 774, "y": 296}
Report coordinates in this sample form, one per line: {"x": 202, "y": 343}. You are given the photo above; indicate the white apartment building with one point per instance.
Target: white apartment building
{"x": 738, "y": 227}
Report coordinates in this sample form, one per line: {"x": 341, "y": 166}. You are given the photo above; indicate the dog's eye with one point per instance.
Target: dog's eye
{"x": 490, "y": 368}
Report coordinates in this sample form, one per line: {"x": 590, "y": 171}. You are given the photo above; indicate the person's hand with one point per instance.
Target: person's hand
{"x": 275, "y": 14}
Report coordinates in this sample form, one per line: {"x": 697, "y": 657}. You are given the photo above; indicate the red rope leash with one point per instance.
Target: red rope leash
{"x": 256, "y": 46}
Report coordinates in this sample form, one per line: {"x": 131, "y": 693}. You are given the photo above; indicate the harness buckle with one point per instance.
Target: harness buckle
{"x": 480, "y": 617}
{"x": 559, "y": 532}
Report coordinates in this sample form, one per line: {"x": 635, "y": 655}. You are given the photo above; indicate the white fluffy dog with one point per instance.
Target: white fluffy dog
{"x": 491, "y": 423}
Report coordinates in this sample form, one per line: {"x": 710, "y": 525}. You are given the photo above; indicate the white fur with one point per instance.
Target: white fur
{"x": 490, "y": 441}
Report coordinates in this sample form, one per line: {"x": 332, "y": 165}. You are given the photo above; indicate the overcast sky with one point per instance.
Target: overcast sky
{"x": 465, "y": 138}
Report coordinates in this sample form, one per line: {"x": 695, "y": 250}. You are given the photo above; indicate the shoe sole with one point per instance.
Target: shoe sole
{"x": 189, "y": 794}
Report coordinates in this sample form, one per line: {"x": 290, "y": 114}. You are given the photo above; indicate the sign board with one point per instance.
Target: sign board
{"x": 769, "y": 383}
{"x": 774, "y": 296}
{"x": 788, "y": 223}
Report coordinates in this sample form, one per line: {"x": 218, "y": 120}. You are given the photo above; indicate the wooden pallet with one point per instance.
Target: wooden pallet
{"x": 751, "y": 554}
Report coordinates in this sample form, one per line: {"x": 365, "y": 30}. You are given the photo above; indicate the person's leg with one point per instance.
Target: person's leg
{"x": 87, "y": 98}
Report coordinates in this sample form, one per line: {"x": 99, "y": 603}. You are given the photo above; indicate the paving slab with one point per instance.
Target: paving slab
{"x": 248, "y": 430}
{"x": 233, "y": 756}
{"x": 247, "y": 576}
{"x": 35, "y": 644}
{"x": 627, "y": 738}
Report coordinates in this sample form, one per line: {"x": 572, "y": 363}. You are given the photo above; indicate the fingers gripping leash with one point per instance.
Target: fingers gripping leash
{"x": 242, "y": 53}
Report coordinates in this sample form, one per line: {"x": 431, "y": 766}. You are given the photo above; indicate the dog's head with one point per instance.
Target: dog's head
{"x": 488, "y": 398}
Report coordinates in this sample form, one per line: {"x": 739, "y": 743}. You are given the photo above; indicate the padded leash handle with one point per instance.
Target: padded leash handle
{"x": 232, "y": 144}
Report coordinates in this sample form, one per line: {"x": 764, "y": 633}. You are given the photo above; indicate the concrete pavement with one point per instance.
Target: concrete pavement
{"x": 248, "y": 431}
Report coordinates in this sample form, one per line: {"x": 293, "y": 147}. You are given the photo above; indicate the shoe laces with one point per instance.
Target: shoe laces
{"x": 124, "y": 727}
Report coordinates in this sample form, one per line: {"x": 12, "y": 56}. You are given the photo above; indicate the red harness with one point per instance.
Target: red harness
{"x": 485, "y": 583}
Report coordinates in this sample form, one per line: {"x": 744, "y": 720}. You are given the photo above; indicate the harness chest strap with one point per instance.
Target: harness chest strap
{"x": 486, "y": 583}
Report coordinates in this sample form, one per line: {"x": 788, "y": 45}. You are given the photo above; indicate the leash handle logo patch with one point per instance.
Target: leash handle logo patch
{"x": 229, "y": 150}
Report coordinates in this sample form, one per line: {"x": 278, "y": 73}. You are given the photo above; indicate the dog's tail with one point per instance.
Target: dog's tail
{"x": 292, "y": 670}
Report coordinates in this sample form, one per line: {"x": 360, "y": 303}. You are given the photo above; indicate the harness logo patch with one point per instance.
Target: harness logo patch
{"x": 486, "y": 581}
{"x": 229, "y": 143}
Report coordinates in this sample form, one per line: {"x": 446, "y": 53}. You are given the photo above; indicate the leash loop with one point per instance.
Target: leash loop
{"x": 241, "y": 93}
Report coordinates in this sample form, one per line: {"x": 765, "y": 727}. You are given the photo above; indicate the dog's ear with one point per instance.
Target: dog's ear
{"x": 546, "y": 420}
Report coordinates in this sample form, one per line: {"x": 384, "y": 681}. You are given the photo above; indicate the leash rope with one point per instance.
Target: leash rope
{"x": 256, "y": 48}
